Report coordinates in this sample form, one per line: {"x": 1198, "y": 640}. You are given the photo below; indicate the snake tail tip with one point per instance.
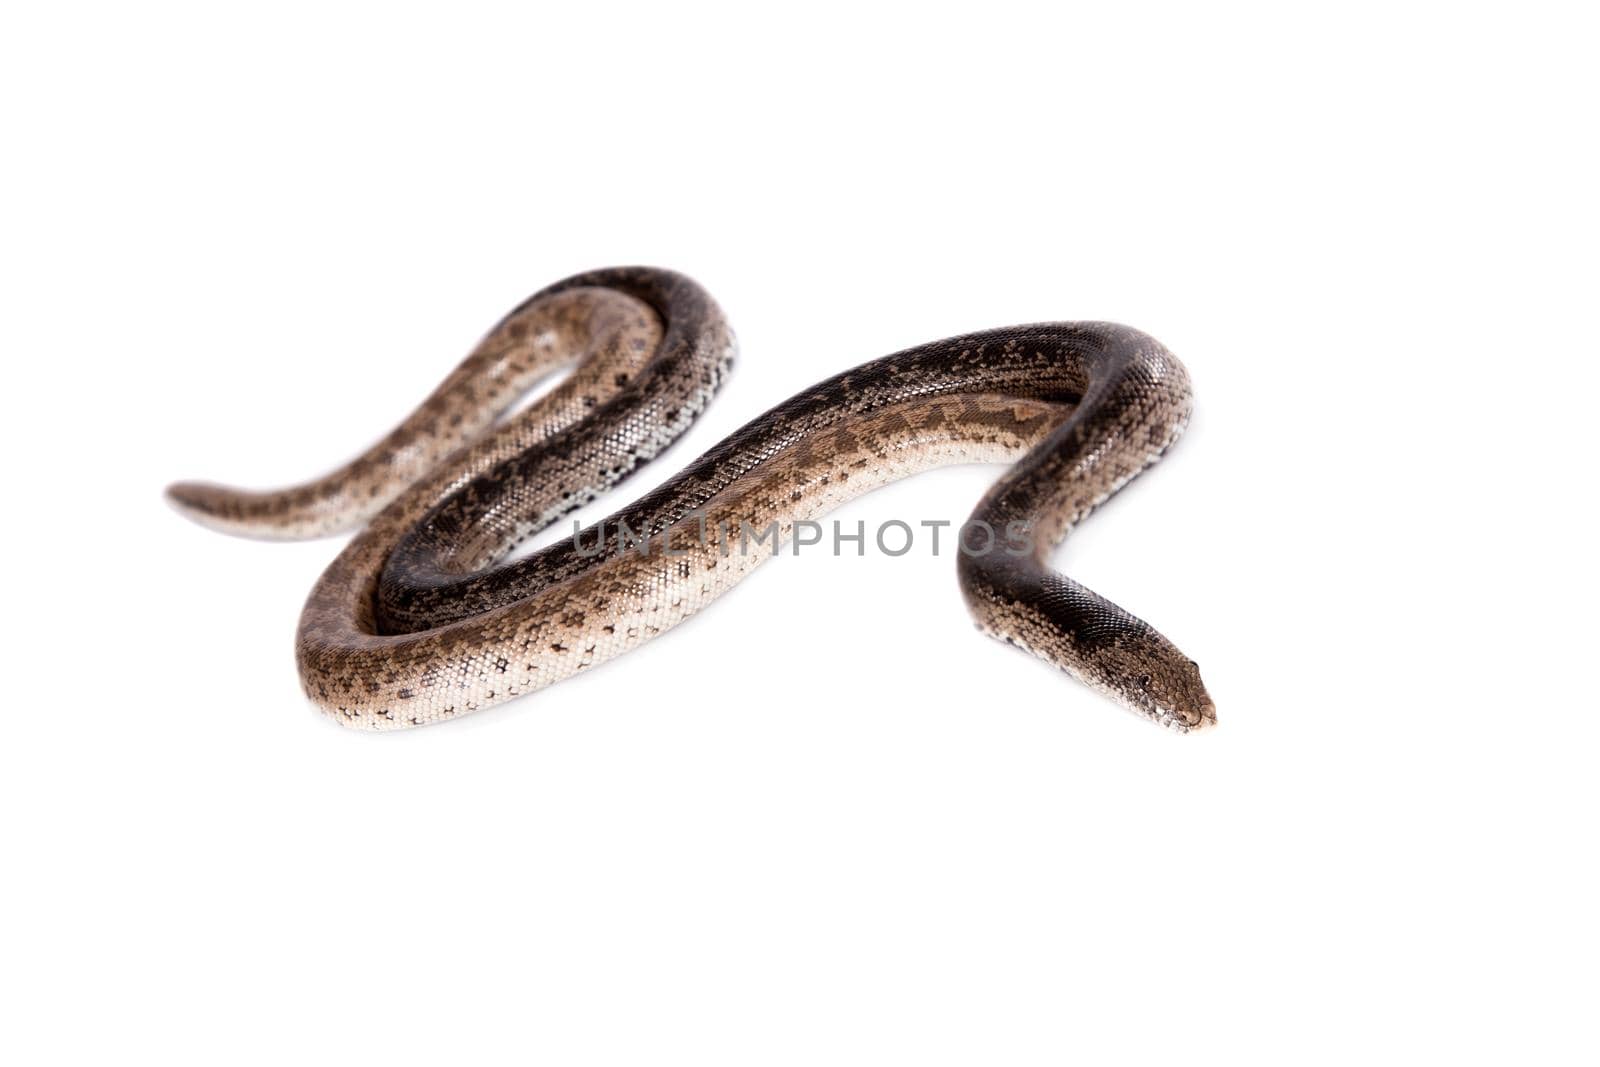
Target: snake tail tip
{"x": 215, "y": 507}
{"x": 186, "y": 497}
{"x": 200, "y": 501}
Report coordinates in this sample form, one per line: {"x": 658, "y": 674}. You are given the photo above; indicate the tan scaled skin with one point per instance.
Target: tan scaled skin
{"x": 422, "y": 617}
{"x": 613, "y": 333}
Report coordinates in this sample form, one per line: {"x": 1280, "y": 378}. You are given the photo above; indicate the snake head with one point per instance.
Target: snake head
{"x": 1145, "y": 672}
{"x": 1122, "y": 656}
{"x": 1076, "y": 629}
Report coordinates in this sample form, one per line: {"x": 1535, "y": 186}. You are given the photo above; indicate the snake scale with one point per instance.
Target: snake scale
{"x": 427, "y": 614}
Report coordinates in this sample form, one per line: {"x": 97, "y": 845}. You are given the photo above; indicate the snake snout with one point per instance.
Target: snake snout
{"x": 1196, "y": 717}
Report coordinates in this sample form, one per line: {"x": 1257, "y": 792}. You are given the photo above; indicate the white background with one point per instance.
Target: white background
{"x": 825, "y": 822}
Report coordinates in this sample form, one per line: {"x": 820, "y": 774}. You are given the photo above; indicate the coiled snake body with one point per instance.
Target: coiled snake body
{"x": 423, "y": 617}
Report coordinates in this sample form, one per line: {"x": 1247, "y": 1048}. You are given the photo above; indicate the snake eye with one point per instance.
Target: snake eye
{"x": 1144, "y": 681}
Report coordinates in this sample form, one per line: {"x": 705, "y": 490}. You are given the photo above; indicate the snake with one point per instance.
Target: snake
{"x": 430, "y": 612}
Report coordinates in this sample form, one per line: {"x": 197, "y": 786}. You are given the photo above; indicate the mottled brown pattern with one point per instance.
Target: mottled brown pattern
{"x": 609, "y": 334}
{"x": 422, "y": 618}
